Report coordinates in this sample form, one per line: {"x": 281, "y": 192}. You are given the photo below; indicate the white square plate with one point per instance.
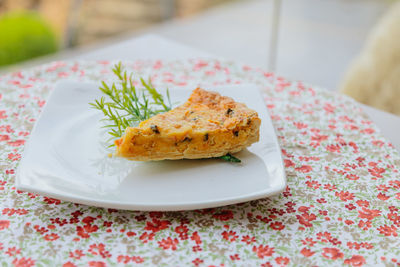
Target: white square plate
{"x": 66, "y": 158}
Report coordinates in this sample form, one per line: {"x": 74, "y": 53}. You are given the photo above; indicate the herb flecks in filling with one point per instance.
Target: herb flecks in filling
{"x": 229, "y": 112}
{"x": 187, "y": 139}
{"x": 154, "y": 128}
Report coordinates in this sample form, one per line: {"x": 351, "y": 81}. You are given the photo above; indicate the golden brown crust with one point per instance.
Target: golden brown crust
{"x": 206, "y": 125}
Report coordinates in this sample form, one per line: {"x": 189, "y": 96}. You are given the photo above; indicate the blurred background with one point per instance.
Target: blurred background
{"x": 81, "y": 22}
{"x": 352, "y": 46}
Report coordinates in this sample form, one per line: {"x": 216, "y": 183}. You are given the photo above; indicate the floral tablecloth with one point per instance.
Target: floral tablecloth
{"x": 341, "y": 205}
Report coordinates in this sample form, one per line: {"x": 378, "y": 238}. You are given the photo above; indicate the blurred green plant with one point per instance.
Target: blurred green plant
{"x": 24, "y": 35}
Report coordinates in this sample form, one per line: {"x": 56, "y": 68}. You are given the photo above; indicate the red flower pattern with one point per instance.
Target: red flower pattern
{"x": 13, "y": 251}
{"x": 306, "y": 219}
{"x": 307, "y": 252}
{"x": 248, "y": 240}
{"x": 146, "y": 237}
{"x": 365, "y": 225}
{"x": 230, "y": 236}
{"x": 263, "y": 251}
{"x": 97, "y": 264}
{"x": 196, "y": 238}
{"x": 197, "y": 261}
{"x": 308, "y": 241}
{"x": 345, "y": 195}
{"x": 368, "y": 214}
{"x": 168, "y": 243}
{"x": 23, "y": 262}
{"x": 51, "y": 237}
{"x": 332, "y": 253}
{"x": 69, "y": 264}
{"x": 157, "y": 225}
{"x": 77, "y": 254}
{"x": 4, "y": 224}
{"x": 282, "y": 261}
{"x": 277, "y": 226}
{"x": 333, "y": 148}
{"x": 85, "y": 231}
{"x": 355, "y": 260}
{"x": 137, "y": 259}
{"x": 99, "y": 249}
{"x": 388, "y": 230}
{"x": 304, "y": 168}
{"x": 224, "y": 215}
{"x": 234, "y": 257}
{"x": 362, "y": 203}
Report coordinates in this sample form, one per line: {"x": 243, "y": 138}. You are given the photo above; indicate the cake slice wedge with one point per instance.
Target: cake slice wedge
{"x": 206, "y": 125}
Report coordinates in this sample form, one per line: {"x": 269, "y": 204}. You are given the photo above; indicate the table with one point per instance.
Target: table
{"x": 340, "y": 205}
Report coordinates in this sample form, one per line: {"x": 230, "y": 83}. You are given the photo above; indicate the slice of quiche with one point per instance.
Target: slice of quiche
{"x": 206, "y": 125}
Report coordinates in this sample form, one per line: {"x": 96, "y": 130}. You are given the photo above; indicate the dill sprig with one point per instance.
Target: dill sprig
{"x": 126, "y": 106}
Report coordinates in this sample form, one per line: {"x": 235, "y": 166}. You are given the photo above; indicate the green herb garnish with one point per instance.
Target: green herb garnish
{"x": 228, "y": 157}
{"x": 126, "y": 106}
